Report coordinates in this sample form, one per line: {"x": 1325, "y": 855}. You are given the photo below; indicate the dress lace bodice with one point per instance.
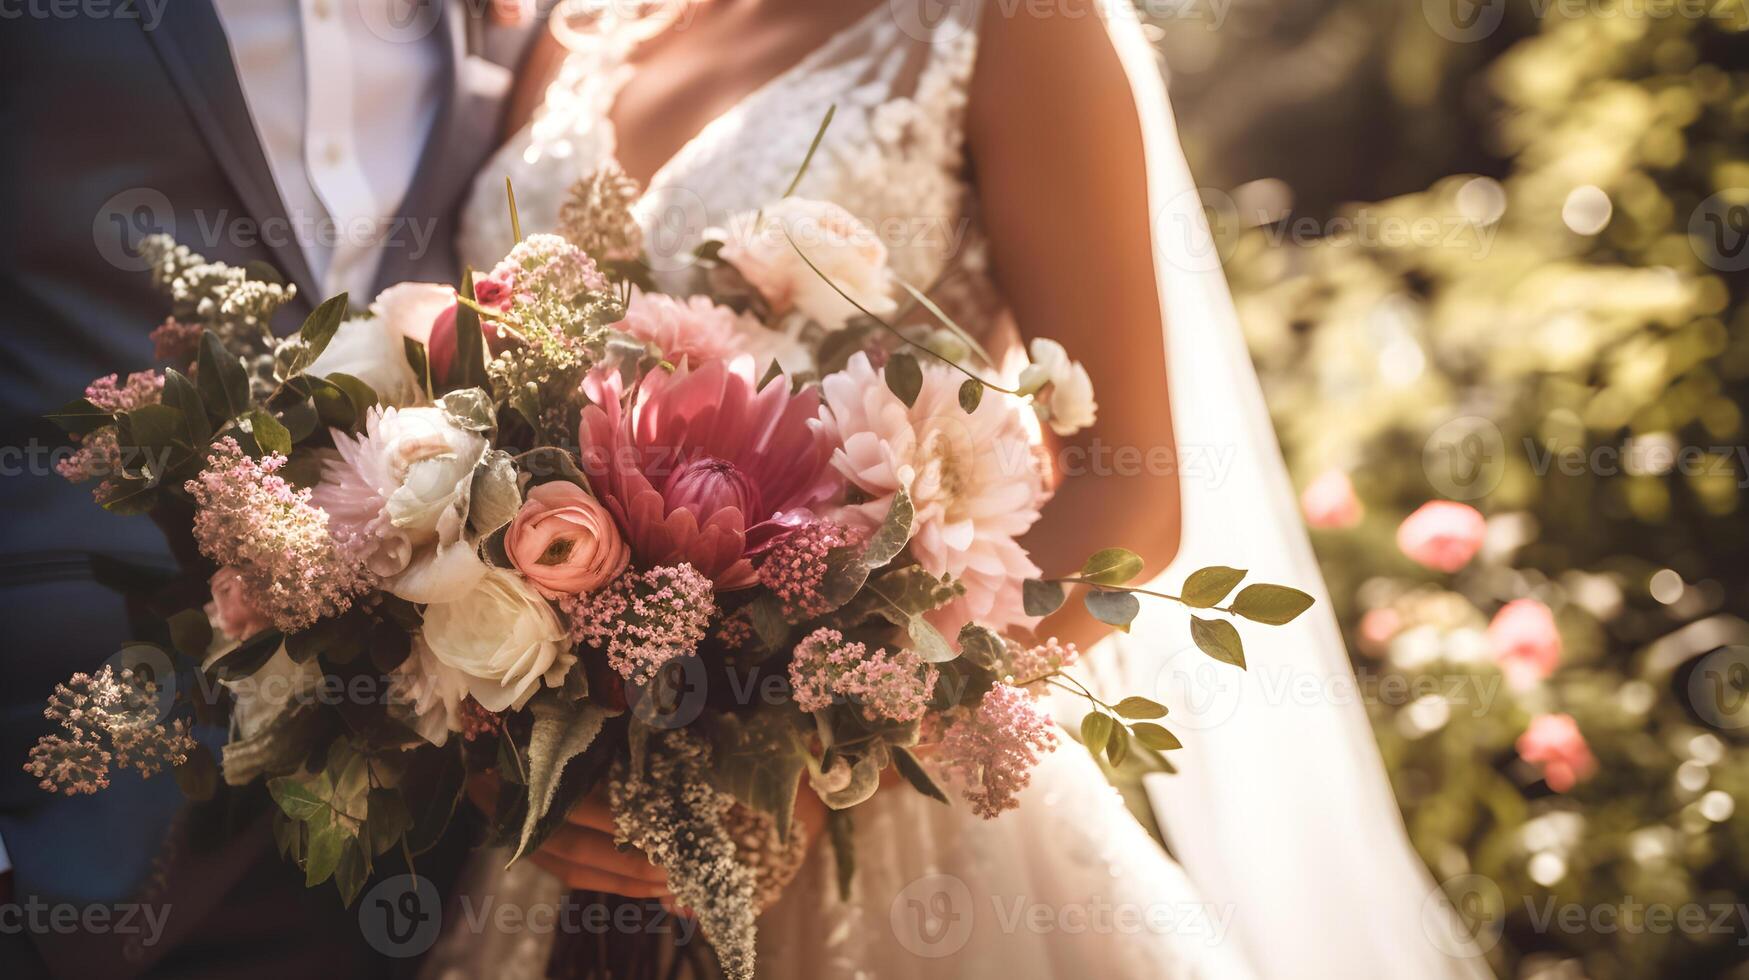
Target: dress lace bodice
{"x": 894, "y": 155}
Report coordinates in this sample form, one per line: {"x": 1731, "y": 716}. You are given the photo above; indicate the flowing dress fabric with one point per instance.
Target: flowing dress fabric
{"x": 1282, "y": 814}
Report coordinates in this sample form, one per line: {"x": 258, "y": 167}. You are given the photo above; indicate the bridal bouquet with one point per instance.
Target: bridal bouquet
{"x": 696, "y": 549}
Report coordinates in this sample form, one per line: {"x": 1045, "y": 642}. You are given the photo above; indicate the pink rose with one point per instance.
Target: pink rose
{"x": 232, "y": 610}
{"x": 564, "y": 542}
{"x": 1526, "y": 644}
{"x": 1329, "y": 502}
{"x": 1554, "y": 743}
{"x": 1442, "y": 535}
{"x": 1377, "y": 628}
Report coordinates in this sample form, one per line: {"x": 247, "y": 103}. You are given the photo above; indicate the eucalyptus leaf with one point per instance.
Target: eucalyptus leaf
{"x": 562, "y": 731}
{"x": 495, "y": 497}
{"x": 1112, "y": 566}
{"x": 1117, "y": 747}
{"x": 758, "y": 760}
{"x": 893, "y": 534}
{"x": 1206, "y": 587}
{"x": 1156, "y": 737}
{"x": 470, "y": 409}
{"x": 1218, "y": 639}
{"x": 981, "y": 646}
{"x": 1117, "y": 609}
{"x": 904, "y": 377}
{"x": 1134, "y": 707}
{"x": 971, "y": 395}
{"x": 1096, "y": 731}
{"x": 1276, "y": 605}
{"x": 1041, "y": 598}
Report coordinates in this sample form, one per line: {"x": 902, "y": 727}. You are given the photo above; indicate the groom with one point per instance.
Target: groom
{"x": 331, "y": 139}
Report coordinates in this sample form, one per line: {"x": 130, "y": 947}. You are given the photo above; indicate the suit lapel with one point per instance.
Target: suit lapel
{"x": 192, "y": 45}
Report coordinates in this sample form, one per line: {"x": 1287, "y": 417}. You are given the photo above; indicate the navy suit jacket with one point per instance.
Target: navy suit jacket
{"x": 116, "y": 125}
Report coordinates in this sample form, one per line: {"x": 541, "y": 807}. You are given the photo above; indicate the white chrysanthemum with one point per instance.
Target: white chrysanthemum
{"x": 1062, "y": 391}
{"x": 398, "y": 495}
{"x": 973, "y": 480}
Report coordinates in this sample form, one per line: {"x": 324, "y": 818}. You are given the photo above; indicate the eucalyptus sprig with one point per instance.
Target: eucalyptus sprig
{"x": 1113, "y": 601}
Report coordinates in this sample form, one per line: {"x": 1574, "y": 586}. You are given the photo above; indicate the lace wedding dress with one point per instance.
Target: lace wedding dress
{"x": 1069, "y": 885}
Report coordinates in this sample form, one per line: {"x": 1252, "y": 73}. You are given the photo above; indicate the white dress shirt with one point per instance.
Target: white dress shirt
{"x": 343, "y": 94}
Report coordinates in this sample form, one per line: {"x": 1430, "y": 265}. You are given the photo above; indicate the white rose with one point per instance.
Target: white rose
{"x": 405, "y": 485}
{"x": 371, "y": 349}
{"x": 431, "y": 690}
{"x": 1062, "y": 392}
{"x": 502, "y": 640}
{"x": 847, "y": 253}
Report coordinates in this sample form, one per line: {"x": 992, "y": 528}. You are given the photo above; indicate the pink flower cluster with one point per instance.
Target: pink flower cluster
{"x": 120, "y": 708}
{"x": 796, "y": 566}
{"x": 645, "y": 619}
{"x": 249, "y": 518}
{"x": 991, "y": 751}
{"x": 893, "y": 686}
{"x": 176, "y": 342}
{"x": 547, "y": 264}
{"x": 1029, "y": 666}
{"x": 111, "y": 394}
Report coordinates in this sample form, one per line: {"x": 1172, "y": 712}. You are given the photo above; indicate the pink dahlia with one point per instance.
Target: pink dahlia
{"x": 694, "y": 329}
{"x": 703, "y": 466}
{"x": 972, "y": 478}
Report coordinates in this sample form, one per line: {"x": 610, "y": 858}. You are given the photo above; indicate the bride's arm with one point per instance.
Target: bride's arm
{"x": 1057, "y": 154}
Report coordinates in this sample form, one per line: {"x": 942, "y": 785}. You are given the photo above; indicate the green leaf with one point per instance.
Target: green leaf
{"x": 1041, "y": 598}
{"x": 359, "y": 394}
{"x": 296, "y": 798}
{"x": 1156, "y": 737}
{"x": 893, "y": 534}
{"x": 1207, "y": 586}
{"x": 352, "y": 872}
{"x": 470, "y": 409}
{"x": 494, "y": 497}
{"x": 916, "y": 775}
{"x": 904, "y": 378}
{"x": 758, "y": 760}
{"x": 80, "y": 418}
{"x": 224, "y": 385}
{"x": 981, "y": 646}
{"x": 1096, "y": 731}
{"x": 131, "y": 498}
{"x": 1112, "y": 566}
{"x": 318, "y": 329}
{"x": 901, "y": 597}
{"x": 468, "y": 368}
{"x": 387, "y": 819}
{"x": 269, "y": 434}
{"x": 181, "y": 394}
{"x": 1118, "y": 746}
{"x": 971, "y": 395}
{"x": 1273, "y": 604}
{"x": 327, "y": 844}
{"x": 1218, "y": 639}
{"x": 1140, "y": 708}
{"x": 562, "y": 731}
{"x": 433, "y": 785}
{"x": 1117, "y": 609}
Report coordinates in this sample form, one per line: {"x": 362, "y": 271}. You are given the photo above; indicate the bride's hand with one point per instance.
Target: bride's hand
{"x": 581, "y": 853}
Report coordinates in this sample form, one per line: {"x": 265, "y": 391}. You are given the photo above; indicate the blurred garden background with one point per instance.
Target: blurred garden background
{"x": 1493, "y": 255}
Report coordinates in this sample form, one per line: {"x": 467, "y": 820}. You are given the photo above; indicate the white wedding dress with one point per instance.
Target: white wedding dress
{"x": 1069, "y": 885}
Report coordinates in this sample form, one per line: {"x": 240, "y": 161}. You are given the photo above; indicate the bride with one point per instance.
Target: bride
{"x": 1011, "y": 156}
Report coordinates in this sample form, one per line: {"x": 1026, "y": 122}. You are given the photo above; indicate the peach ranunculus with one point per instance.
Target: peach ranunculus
{"x": 1525, "y": 642}
{"x": 1554, "y": 743}
{"x": 564, "y": 542}
{"x": 231, "y": 610}
{"x": 1329, "y": 502}
{"x": 1442, "y": 535}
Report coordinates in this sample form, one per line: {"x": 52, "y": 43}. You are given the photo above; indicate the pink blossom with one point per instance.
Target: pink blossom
{"x": 564, "y": 542}
{"x": 1377, "y": 628}
{"x": 1525, "y": 641}
{"x": 1442, "y": 535}
{"x": 112, "y": 395}
{"x": 795, "y": 567}
{"x": 705, "y": 467}
{"x": 991, "y": 750}
{"x": 232, "y": 609}
{"x": 973, "y": 480}
{"x": 694, "y": 328}
{"x": 176, "y": 342}
{"x": 1029, "y": 666}
{"x": 1554, "y": 743}
{"x": 644, "y": 619}
{"x": 1329, "y": 502}
{"x": 890, "y": 685}
{"x": 249, "y": 518}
